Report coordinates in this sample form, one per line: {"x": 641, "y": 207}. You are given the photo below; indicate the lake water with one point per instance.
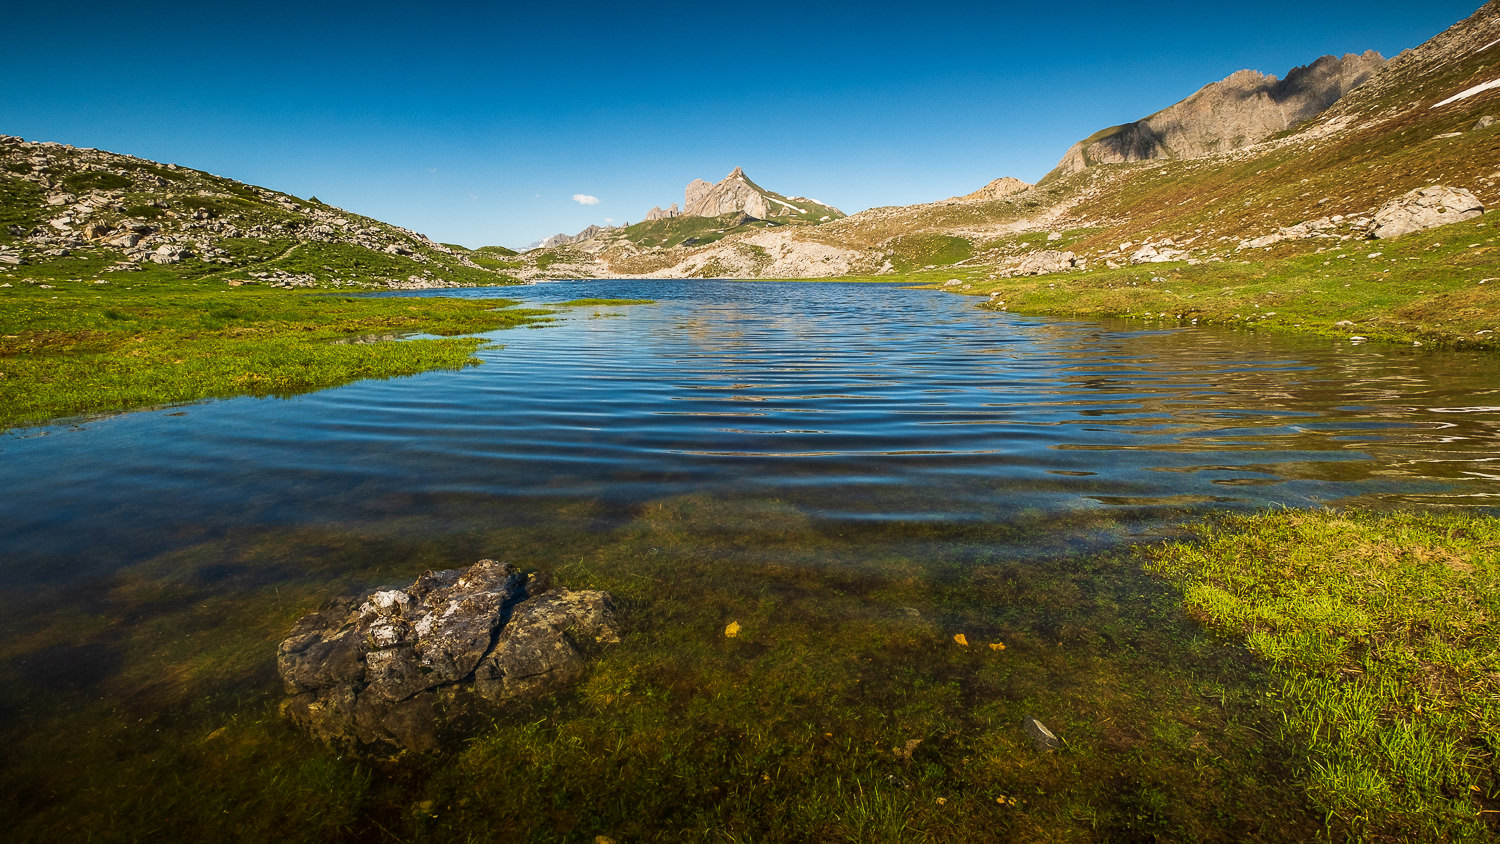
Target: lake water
{"x": 152, "y": 560}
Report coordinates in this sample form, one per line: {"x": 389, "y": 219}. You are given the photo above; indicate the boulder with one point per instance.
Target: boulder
{"x": 1045, "y": 262}
{"x": 1425, "y": 208}
{"x": 398, "y": 669}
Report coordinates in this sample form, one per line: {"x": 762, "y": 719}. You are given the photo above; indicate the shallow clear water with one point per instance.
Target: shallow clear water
{"x": 152, "y": 560}
{"x": 851, "y": 401}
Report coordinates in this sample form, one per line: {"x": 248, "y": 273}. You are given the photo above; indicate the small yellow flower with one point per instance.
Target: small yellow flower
{"x": 961, "y": 639}
{"x": 942, "y": 801}
{"x": 732, "y": 630}
{"x": 997, "y": 646}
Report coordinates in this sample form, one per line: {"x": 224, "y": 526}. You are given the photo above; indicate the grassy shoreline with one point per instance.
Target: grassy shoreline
{"x": 68, "y": 350}
{"x": 1440, "y": 287}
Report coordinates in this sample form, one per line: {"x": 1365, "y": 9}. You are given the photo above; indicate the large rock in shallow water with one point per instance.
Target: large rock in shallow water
{"x": 1425, "y": 208}
{"x": 398, "y": 668}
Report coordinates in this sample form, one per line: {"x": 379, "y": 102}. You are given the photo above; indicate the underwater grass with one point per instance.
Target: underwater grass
{"x": 1383, "y": 630}
{"x": 874, "y": 690}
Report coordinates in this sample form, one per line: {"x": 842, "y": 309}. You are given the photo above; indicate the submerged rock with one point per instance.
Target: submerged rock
{"x": 398, "y": 668}
{"x": 1042, "y": 737}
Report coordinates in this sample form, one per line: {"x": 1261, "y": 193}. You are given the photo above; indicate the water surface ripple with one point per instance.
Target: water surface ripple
{"x": 849, "y": 401}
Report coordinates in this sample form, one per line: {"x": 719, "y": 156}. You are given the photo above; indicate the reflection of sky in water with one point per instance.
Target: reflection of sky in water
{"x": 844, "y": 400}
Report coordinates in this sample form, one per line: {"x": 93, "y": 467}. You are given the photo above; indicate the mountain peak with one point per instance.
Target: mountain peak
{"x": 736, "y": 194}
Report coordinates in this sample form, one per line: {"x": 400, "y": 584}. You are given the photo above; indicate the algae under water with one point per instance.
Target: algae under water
{"x": 860, "y": 477}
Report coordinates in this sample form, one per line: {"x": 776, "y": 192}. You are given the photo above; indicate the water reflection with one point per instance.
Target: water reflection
{"x": 829, "y": 394}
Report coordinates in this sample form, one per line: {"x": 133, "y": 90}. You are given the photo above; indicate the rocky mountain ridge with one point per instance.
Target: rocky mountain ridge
{"x": 736, "y": 194}
{"x": 1242, "y": 109}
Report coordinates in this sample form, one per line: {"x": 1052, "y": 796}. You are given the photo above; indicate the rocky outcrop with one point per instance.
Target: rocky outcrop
{"x": 998, "y": 189}
{"x": 1242, "y": 109}
{"x": 1425, "y": 208}
{"x": 658, "y": 214}
{"x": 1043, "y": 262}
{"x": 399, "y": 668}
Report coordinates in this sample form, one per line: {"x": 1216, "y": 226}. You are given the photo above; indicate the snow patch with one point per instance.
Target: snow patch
{"x": 1464, "y": 95}
{"x": 787, "y": 204}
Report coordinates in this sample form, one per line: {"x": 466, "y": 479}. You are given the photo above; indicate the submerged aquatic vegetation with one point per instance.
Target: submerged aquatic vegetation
{"x": 1384, "y": 629}
{"x": 842, "y": 708}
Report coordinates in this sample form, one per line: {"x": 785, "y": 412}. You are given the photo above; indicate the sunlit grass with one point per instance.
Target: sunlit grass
{"x": 71, "y": 350}
{"x": 1440, "y": 287}
{"x": 1384, "y": 630}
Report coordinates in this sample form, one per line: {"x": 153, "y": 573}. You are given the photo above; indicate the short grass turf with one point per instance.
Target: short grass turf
{"x": 1383, "y": 630}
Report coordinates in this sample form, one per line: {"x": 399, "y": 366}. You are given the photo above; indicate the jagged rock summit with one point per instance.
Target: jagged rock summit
{"x": 736, "y": 194}
{"x": 1242, "y": 109}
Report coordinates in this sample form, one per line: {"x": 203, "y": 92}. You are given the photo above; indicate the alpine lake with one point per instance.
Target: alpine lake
{"x": 916, "y": 516}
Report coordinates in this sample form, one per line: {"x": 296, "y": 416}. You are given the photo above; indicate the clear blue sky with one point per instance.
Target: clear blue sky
{"x": 478, "y": 123}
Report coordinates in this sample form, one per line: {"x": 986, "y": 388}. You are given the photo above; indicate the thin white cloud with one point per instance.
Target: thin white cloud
{"x": 585, "y": 199}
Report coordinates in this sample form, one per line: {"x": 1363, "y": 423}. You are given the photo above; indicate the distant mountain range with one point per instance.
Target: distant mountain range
{"x": 735, "y": 194}
{"x": 1251, "y": 162}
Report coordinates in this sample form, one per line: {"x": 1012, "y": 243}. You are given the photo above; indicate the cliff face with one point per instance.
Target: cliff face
{"x": 1242, "y": 109}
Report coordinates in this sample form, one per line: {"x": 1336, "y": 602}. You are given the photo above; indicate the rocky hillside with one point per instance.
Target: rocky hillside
{"x": 1245, "y": 108}
{"x": 117, "y": 213}
{"x": 1428, "y": 118}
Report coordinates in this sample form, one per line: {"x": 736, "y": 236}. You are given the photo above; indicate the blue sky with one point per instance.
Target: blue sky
{"x": 479, "y": 123}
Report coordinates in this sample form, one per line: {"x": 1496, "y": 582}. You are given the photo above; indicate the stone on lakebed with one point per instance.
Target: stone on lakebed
{"x": 399, "y": 668}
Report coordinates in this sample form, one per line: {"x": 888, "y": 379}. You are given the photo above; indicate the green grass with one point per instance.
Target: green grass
{"x": 1438, "y": 287}
{"x": 75, "y": 349}
{"x": 917, "y": 251}
{"x": 1385, "y": 631}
